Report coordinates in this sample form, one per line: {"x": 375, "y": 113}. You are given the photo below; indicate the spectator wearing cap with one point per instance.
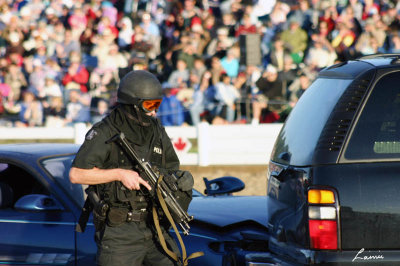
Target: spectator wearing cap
{"x": 36, "y": 8}
{"x": 295, "y": 39}
{"x": 125, "y": 33}
{"x": 199, "y": 39}
{"x": 269, "y": 98}
{"x": 25, "y": 21}
{"x": 110, "y": 11}
{"x": 51, "y": 16}
{"x": 76, "y": 73}
{"x": 171, "y": 112}
{"x": 220, "y": 44}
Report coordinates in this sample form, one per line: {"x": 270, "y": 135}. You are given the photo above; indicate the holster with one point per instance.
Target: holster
{"x": 99, "y": 220}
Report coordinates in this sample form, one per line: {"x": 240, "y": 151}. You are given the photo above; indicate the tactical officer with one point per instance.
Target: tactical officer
{"x": 125, "y": 236}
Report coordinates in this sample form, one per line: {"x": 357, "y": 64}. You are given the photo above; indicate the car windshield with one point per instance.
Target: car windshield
{"x": 59, "y": 167}
{"x": 299, "y": 136}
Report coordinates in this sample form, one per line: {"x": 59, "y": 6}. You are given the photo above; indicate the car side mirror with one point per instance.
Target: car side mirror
{"x": 38, "y": 202}
{"x": 223, "y": 185}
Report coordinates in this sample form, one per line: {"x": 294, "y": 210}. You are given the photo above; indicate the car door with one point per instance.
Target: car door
{"x": 35, "y": 228}
{"x": 369, "y": 171}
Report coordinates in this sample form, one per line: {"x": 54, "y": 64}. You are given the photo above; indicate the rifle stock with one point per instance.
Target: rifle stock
{"x": 148, "y": 173}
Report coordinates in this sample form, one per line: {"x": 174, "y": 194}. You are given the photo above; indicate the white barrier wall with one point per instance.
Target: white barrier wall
{"x": 202, "y": 145}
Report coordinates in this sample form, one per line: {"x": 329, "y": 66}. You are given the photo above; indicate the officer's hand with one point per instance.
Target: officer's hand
{"x": 185, "y": 181}
{"x": 131, "y": 180}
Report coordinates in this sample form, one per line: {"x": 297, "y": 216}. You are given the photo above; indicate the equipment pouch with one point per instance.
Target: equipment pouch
{"x": 183, "y": 198}
{"x": 117, "y": 216}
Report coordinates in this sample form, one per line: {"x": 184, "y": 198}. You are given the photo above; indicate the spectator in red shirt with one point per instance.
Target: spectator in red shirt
{"x": 246, "y": 26}
{"x": 76, "y": 73}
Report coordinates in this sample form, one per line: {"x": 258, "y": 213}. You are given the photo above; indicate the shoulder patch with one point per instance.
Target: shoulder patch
{"x": 91, "y": 134}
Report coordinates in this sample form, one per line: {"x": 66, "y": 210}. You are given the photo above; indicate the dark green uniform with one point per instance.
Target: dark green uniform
{"x": 127, "y": 240}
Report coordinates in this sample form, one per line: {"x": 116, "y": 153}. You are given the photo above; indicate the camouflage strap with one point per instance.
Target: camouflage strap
{"x": 170, "y": 253}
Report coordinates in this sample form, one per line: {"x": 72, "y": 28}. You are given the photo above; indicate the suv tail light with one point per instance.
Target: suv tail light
{"x": 323, "y": 219}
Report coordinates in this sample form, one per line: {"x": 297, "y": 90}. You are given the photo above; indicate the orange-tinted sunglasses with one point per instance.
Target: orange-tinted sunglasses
{"x": 151, "y": 105}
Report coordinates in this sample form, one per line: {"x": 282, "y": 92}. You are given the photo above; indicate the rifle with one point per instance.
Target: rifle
{"x": 167, "y": 185}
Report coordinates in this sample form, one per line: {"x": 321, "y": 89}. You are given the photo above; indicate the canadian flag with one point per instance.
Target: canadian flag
{"x": 181, "y": 144}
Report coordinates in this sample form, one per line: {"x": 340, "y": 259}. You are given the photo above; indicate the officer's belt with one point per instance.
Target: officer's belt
{"x": 118, "y": 216}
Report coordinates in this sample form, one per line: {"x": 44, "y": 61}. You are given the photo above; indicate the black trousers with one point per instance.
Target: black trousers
{"x": 133, "y": 244}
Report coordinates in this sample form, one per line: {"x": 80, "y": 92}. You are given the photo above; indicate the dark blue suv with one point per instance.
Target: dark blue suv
{"x": 334, "y": 176}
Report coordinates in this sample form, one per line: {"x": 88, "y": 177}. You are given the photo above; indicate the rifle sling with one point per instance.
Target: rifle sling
{"x": 171, "y": 220}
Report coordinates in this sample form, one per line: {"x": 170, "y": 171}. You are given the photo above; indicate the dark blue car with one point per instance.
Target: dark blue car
{"x": 39, "y": 209}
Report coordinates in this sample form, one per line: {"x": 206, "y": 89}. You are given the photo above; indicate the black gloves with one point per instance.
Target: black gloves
{"x": 185, "y": 180}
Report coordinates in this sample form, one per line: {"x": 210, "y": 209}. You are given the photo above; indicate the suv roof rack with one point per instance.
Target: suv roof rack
{"x": 396, "y": 57}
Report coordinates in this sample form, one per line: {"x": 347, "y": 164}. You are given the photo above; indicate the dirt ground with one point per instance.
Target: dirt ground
{"x": 254, "y": 177}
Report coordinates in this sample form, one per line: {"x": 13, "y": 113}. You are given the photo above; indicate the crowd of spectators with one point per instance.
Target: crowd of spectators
{"x": 61, "y": 60}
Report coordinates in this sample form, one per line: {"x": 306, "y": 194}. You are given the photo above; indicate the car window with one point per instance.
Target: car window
{"x": 18, "y": 183}
{"x": 377, "y": 132}
{"x": 59, "y": 168}
{"x": 299, "y": 136}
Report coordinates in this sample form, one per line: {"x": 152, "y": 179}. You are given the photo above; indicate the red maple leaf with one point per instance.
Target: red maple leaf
{"x": 180, "y": 145}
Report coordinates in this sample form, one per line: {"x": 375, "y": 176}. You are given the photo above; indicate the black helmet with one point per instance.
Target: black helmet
{"x": 138, "y": 85}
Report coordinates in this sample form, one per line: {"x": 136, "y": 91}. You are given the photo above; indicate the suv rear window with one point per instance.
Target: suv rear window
{"x": 377, "y": 133}
{"x": 299, "y": 136}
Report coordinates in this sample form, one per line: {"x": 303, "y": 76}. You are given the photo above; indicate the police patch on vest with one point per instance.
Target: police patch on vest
{"x": 157, "y": 150}
{"x": 91, "y": 134}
